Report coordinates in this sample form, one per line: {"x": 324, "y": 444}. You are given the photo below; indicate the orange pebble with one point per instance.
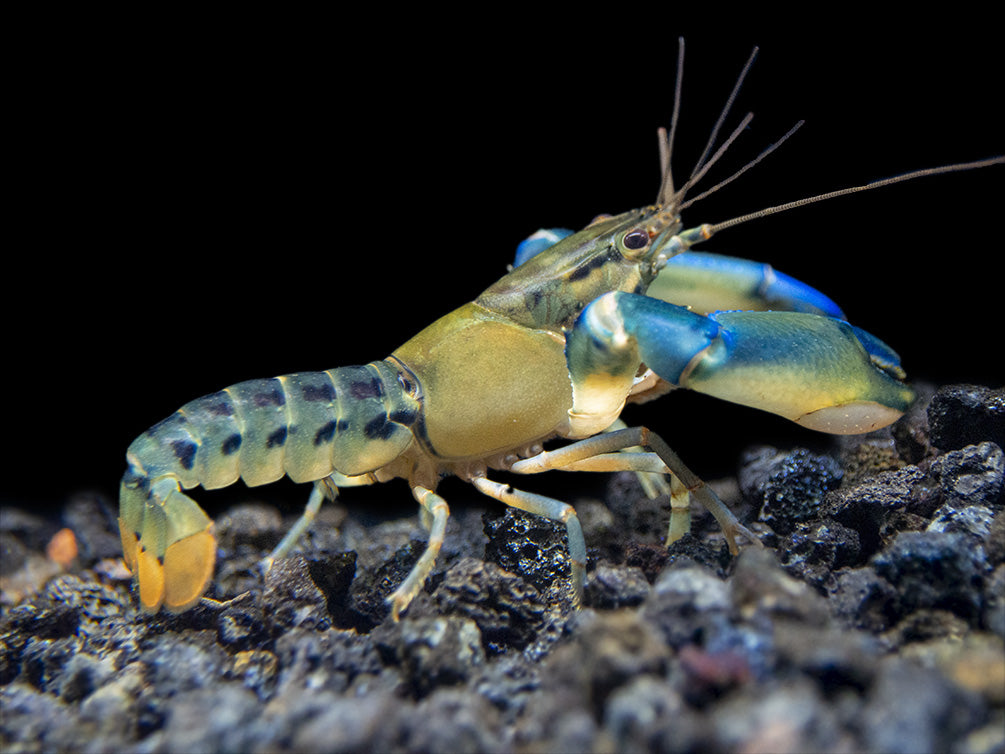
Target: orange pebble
{"x": 62, "y": 548}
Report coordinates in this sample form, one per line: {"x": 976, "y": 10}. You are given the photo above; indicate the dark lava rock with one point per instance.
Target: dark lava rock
{"x": 650, "y": 559}
{"x": 256, "y": 669}
{"x": 606, "y": 651}
{"x": 291, "y": 598}
{"x": 972, "y": 475}
{"x": 311, "y": 721}
{"x": 911, "y": 433}
{"x": 994, "y": 543}
{"x": 687, "y": 603}
{"x": 649, "y": 714}
{"x": 789, "y": 717}
{"x": 926, "y": 625}
{"x": 449, "y": 720}
{"x": 962, "y": 415}
{"x": 507, "y": 610}
{"x": 530, "y": 546}
{"x": 994, "y": 602}
{"x": 761, "y": 588}
{"x": 837, "y": 659}
{"x": 242, "y": 626}
{"x": 254, "y": 524}
{"x": 610, "y": 586}
{"x": 176, "y": 666}
{"x": 638, "y": 517}
{"x": 934, "y": 570}
{"x": 433, "y": 651}
{"x": 331, "y": 659}
{"x": 864, "y": 456}
{"x": 863, "y": 599}
{"x": 369, "y": 591}
{"x": 814, "y": 551}
{"x": 790, "y": 487}
{"x": 973, "y": 520}
{"x": 868, "y": 508}
{"x": 913, "y": 708}
{"x": 690, "y": 550}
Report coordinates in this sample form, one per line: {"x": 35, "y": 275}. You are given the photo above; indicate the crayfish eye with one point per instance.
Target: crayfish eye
{"x": 635, "y": 240}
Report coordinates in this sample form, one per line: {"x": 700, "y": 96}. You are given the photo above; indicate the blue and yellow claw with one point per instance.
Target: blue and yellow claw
{"x": 818, "y": 371}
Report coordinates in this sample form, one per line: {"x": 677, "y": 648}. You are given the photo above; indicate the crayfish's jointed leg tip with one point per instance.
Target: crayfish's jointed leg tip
{"x": 734, "y": 528}
{"x": 752, "y": 538}
{"x": 223, "y": 604}
{"x": 438, "y": 511}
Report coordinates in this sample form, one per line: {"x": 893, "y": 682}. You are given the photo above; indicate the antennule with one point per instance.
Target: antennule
{"x": 725, "y": 112}
{"x": 666, "y": 140}
{"x": 771, "y": 148}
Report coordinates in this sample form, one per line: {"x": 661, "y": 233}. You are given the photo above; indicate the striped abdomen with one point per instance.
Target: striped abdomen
{"x": 307, "y": 425}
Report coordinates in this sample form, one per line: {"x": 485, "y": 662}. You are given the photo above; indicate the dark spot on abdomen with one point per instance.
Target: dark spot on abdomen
{"x": 323, "y": 392}
{"x": 363, "y": 390}
{"x": 325, "y": 434}
{"x": 267, "y": 398}
{"x": 184, "y": 451}
{"x": 379, "y": 428}
{"x": 217, "y": 404}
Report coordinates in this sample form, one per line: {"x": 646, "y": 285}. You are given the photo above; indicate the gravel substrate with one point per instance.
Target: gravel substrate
{"x": 872, "y": 619}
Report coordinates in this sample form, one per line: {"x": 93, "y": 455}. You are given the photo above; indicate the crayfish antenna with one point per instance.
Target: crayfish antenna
{"x": 955, "y": 167}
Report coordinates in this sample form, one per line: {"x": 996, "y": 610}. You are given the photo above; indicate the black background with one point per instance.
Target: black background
{"x": 200, "y": 201}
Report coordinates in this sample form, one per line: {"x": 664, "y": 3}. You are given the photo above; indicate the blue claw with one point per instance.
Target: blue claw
{"x": 819, "y": 372}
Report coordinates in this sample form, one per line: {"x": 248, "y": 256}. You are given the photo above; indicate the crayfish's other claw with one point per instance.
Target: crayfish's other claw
{"x": 706, "y": 282}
